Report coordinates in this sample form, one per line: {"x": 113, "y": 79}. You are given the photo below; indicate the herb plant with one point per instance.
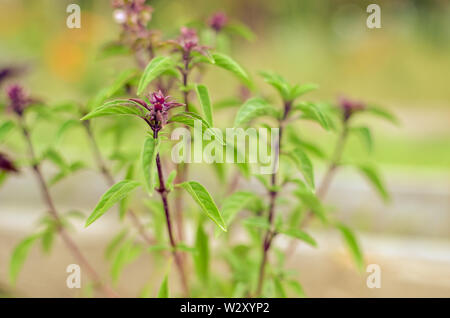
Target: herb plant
{"x": 139, "y": 110}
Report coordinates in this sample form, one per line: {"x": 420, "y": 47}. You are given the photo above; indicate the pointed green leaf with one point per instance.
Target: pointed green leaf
{"x": 352, "y": 244}
{"x": 148, "y": 158}
{"x": 5, "y": 128}
{"x": 257, "y": 221}
{"x": 155, "y": 68}
{"x": 382, "y": 113}
{"x": 312, "y": 202}
{"x": 203, "y": 96}
{"x": 298, "y": 289}
{"x": 164, "y": 289}
{"x": 123, "y": 205}
{"x": 253, "y": 108}
{"x": 241, "y": 30}
{"x": 127, "y": 253}
{"x": 116, "y": 107}
{"x": 120, "y": 81}
{"x": 279, "y": 289}
{"x": 229, "y": 64}
{"x": 278, "y": 82}
{"x": 299, "y": 90}
{"x": 235, "y": 203}
{"x": 312, "y": 112}
{"x": 116, "y": 193}
{"x": 365, "y": 135}
{"x": 115, "y": 243}
{"x": 19, "y": 255}
{"x": 299, "y": 234}
{"x": 372, "y": 175}
{"x": 65, "y": 127}
{"x": 201, "y": 258}
{"x": 304, "y": 165}
{"x": 205, "y": 201}
{"x": 170, "y": 179}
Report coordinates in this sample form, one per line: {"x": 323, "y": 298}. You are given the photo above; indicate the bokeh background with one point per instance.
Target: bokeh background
{"x": 403, "y": 67}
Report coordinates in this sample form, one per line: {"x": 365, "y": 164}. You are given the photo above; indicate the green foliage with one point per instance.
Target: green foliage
{"x": 373, "y": 176}
{"x": 123, "y": 205}
{"x": 114, "y": 194}
{"x": 205, "y": 202}
{"x": 382, "y": 113}
{"x": 287, "y": 92}
{"x": 116, "y": 107}
{"x": 303, "y": 164}
{"x": 164, "y": 289}
{"x": 365, "y": 135}
{"x": 312, "y": 112}
{"x": 240, "y": 29}
{"x": 299, "y": 234}
{"x": 170, "y": 179}
{"x": 126, "y": 254}
{"x": 201, "y": 257}
{"x": 19, "y": 256}
{"x": 352, "y": 245}
{"x": 115, "y": 243}
{"x": 119, "y": 82}
{"x": 232, "y": 66}
{"x": 254, "y": 108}
{"x": 148, "y": 159}
{"x": 5, "y": 128}
{"x": 203, "y": 96}
{"x": 189, "y": 119}
{"x": 154, "y": 68}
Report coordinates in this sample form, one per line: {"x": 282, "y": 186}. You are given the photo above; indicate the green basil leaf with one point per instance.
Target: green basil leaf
{"x": 116, "y": 193}
{"x": 299, "y": 234}
{"x": 205, "y": 201}
{"x": 19, "y": 256}
{"x": 164, "y": 289}
{"x": 372, "y": 175}
{"x": 229, "y": 64}
{"x": 352, "y": 244}
{"x": 304, "y": 165}
{"x": 148, "y": 159}
{"x": 154, "y": 68}
{"x": 201, "y": 258}
{"x": 116, "y": 107}
{"x": 203, "y": 96}
{"x": 253, "y": 108}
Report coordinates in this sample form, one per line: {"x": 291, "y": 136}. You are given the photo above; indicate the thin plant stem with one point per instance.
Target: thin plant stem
{"x": 326, "y": 181}
{"x": 73, "y": 248}
{"x": 273, "y": 194}
{"x": 110, "y": 180}
{"x": 182, "y": 170}
{"x": 163, "y": 191}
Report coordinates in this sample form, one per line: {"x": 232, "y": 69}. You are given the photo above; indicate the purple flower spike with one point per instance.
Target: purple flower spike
{"x": 349, "y": 107}
{"x": 217, "y": 21}
{"x": 19, "y": 101}
{"x": 158, "y": 109}
{"x": 188, "y": 42}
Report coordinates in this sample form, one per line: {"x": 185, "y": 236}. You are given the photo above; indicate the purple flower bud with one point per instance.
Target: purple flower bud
{"x": 217, "y": 21}
{"x": 6, "y": 164}
{"x": 18, "y": 99}
{"x": 188, "y": 42}
{"x": 349, "y": 107}
{"x": 158, "y": 109}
